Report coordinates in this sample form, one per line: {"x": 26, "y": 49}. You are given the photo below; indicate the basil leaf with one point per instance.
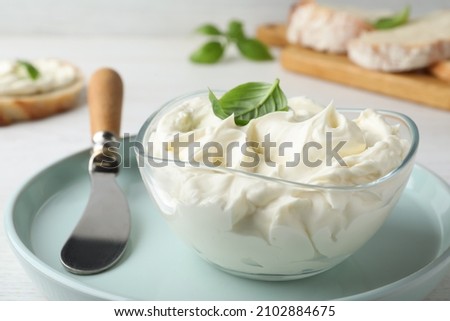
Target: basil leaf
{"x": 209, "y": 53}
{"x": 32, "y": 71}
{"x": 254, "y": 49}
{"x": 249, "y": 101}
{"x": 394, "y": 21}
{"x": 216, "y": 105}
{"x": 235, "y": 30}
{"x": 209, "y": 30}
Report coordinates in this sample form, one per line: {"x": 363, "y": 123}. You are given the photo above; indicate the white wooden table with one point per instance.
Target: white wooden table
{"x": 155, "y": 70}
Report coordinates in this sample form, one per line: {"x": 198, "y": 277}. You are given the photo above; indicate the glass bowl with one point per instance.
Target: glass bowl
{"x": 315, "y": 229}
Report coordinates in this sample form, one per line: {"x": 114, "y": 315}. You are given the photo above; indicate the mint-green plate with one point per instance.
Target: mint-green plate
{"x": 405, "y": 260}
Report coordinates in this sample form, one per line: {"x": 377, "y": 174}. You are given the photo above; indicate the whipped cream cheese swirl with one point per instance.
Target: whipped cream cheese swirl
{"x": 371, "y": 147}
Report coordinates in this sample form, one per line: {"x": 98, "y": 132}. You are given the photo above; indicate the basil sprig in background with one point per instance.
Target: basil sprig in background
{"x": 213, "y": 50}
{"x": 249, "y": 101}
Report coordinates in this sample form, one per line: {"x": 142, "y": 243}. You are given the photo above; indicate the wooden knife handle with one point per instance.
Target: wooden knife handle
{"x": 105, "y": 94}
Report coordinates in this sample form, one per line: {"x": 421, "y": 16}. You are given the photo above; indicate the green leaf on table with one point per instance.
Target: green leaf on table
{"x": 31, "y": 70}
{"x": 212, "y": 51}
{"x": 209, "y": 30}
{"x": 235, "y": 30}
{"x": 253, "y": 49}
{"x": 396, "y": 20}
{"x": 249, "y": 101}
{"x": 209, "y": 53}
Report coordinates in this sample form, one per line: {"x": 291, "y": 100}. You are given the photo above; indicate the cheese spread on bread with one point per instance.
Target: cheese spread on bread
{"x": 418, "y": 44}
{"x": 53, "y": 75}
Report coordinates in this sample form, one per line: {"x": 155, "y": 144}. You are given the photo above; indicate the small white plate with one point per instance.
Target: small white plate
{"x": 405, "y": 260}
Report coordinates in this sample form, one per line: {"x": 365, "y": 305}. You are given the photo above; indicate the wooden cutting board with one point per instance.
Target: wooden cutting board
{"x": 419, "y": 87}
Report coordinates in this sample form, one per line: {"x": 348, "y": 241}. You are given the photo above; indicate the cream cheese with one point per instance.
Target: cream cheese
{"x": 54, "y": 74}
{"x": 286, "y": 229}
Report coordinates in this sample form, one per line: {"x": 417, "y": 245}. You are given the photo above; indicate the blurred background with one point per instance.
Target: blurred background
{"x": 158, "y": 17}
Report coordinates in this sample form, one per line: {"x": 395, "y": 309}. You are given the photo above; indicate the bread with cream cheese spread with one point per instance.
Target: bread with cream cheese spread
{"x": 22, "y": 106}
{"x": 418, "y": 44}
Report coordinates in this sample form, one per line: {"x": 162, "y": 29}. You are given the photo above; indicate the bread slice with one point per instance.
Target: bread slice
{"x": 324, "y": 28}
{"x": 15, "y": 108}
{"x": 441, "y": 70}
{"x": 415, "y": 45}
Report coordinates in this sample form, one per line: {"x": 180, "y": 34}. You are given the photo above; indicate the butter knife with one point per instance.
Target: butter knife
{"x": 100, "y": 237}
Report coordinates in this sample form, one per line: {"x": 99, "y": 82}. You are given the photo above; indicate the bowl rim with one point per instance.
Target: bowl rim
{"x": 410, "y": 124}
